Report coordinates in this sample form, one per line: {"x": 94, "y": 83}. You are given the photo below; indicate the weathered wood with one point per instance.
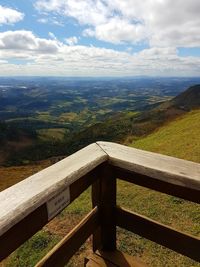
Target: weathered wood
{"x": 107, "y": 209}
{"x": 80, "y": 185}
{"x": 121, "y": 259}
{"x": 66, "y": 248}
{"x": 164, "y": 235}
{"x": 23, "y": 198}
{"x": 96, "y": 200}
{"x": 164, "y": 168}
{"x": 95, "y": 260}
{"x": 34, "y": 221}
{"x": 104, "y": 196}
{"x": 113, "y": 258}
{"x": 23, "y": 230}
{"x": 158, "y": 185}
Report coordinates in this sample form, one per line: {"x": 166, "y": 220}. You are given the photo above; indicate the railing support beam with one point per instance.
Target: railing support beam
{"x": 66, "y": 248}
{"x": 157, "y": 232}
{"x": 104, "y": 197}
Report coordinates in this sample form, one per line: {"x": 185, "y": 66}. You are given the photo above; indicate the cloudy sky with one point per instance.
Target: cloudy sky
{"x": 100, "y": 37}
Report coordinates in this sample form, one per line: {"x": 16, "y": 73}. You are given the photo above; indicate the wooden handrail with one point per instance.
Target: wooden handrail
{"x": 33, "y": 202}
{"x": 164, "y": 168}
{"x": 157, "y": 185}
{"x": 21, "y": 199}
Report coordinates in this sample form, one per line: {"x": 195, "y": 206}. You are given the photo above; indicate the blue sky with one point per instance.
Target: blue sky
{"x": 99, "y": 37}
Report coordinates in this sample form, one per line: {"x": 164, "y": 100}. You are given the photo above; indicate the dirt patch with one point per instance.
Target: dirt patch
{"x": 12, "y": 175}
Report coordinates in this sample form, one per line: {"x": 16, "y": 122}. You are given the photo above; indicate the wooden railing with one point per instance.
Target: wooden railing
{"x": 27, "y": 206}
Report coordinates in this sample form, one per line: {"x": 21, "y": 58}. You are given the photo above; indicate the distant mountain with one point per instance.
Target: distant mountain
{"x": 189, "y": 99}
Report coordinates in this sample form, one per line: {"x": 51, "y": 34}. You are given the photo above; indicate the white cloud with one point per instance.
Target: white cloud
{"x": 85, "y": 11}
{"x": 52, "y": 35}
{"x": 50, "y": 20}
{"x": 9, "y": 15}
{"x": 163, "y": 23}
{"x": 117, "y": 31}
{"x": 51, "y": 57}
{"x": 27, "y": 41}
{"x": 71, "y": 40}
{"x": 43, "y": 20}
{"x": 157, "y": 52}
{"x": 3, "y": 61}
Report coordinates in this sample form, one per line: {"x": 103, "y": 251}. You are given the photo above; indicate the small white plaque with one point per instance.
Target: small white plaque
{"x": 58, "y": 203}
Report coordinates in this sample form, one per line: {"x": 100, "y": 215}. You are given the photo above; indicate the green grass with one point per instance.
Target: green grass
{"x": 35, "y": 248}
{"x": 180, "y": 214}
{"x": 179, "y": 138}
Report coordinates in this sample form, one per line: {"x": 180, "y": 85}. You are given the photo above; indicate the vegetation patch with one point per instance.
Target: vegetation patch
{"x": 52, "y": 134}
{"x": 33, "y": 250}
{"x": 70, "y": 116}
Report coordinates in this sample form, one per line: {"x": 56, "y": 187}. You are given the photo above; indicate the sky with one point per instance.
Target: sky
{"x": 99, "y": 37}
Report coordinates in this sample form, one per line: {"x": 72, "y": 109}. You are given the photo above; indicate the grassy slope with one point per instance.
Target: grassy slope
{"x": 178, "y": 138}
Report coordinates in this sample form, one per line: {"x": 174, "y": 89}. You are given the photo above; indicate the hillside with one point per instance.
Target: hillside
{"x": 14, "y": 139}
{"x": 179, "y": 138}
{"x": 188, "y": 99}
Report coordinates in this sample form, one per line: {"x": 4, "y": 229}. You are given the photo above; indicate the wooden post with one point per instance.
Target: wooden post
{"x": 104, "y": 197}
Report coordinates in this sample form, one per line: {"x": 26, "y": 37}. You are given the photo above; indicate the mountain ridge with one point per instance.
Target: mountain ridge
{"x": 188, "y": 99}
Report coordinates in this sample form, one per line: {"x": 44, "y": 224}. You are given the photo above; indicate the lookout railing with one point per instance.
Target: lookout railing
{"x": 29, "y": 205}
